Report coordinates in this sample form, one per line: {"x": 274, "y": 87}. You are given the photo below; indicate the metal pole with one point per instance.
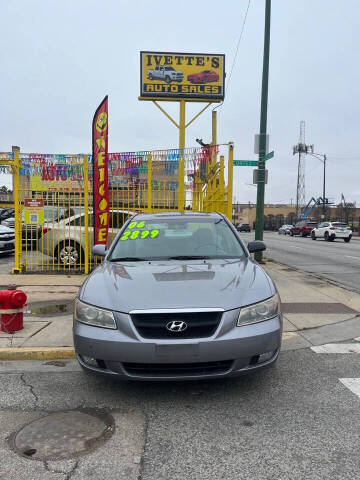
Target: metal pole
{"x": 182, "y": 127}
{"x": 324, "y": 208}
{"x": 297, "y": 188}
{"x": 259, "y": 228}
{"x": 230, "y": 181}
{"x": 149, "y": 183}
{"x": 86, "y": 214}
{"x": 18, "y": 210}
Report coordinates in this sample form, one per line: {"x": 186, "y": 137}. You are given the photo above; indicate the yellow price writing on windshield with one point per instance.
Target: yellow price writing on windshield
{"x": 136, "y": 224}
{"x": 142, "y": 234}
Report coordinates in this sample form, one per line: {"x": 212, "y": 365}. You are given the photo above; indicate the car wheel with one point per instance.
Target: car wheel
{"x": 205, "y": 79}
{"x": 326, "y": 236}
{"x": 332, "y": 238}
{"x": 70, "y": 254}
{"x": 347, "y": 240}
{"x": 303, "y": 234}
{"x": 291, "y": 234}
{"x": 150, "y": 76}
{"x": 313, "y": 236}
{"x": 167, "y": 79}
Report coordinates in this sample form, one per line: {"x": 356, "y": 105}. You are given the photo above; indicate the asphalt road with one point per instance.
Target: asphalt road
{"x": 337, "y": 261}
{"x": 295, "y": 421}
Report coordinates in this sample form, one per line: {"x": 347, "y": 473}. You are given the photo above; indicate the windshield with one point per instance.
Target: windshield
{"x": 167, "y": 238}
{"x": 169, "y": 68}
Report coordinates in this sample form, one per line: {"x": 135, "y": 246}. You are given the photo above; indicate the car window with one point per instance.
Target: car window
{"x": 79, "y": 221}
{"x": 338, "y": 224}
{"x": 161, "y": 238}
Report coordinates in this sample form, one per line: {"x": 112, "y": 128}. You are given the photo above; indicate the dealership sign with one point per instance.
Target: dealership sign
{"x": 182, "y": 75}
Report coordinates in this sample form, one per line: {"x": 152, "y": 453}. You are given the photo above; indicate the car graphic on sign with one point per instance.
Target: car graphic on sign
{"x": 205, "y": 76}
{"x": 167, "y": 74}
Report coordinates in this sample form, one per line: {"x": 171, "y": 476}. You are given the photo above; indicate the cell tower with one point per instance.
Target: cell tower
{"x": 302, "y": 149}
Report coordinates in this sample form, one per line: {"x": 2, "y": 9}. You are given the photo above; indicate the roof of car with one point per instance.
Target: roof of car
{"x": 151, "y": 216}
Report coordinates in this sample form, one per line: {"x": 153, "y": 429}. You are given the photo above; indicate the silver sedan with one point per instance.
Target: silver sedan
{"x": 178, "y": 296}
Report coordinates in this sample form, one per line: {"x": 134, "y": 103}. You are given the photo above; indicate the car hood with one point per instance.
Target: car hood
{"x": 217, "y": 284}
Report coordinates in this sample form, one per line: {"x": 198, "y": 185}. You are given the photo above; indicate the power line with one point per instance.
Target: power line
{"x": 235, "y": 57}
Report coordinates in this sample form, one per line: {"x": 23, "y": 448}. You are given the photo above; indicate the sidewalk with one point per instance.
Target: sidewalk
{"x": 315, "y": 312}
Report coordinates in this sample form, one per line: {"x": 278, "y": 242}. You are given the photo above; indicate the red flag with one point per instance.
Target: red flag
{"x": 100, "y": 173}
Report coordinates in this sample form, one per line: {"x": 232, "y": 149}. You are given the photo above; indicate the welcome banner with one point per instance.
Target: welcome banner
{"x": 100, "y": 173}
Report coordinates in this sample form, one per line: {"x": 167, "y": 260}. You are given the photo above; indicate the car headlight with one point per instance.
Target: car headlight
{"x": 94, "y": 316}
{"x": 259, "y": 312}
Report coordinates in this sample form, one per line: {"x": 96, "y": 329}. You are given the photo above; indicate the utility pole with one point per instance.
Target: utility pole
{"x": 259, "y": 227}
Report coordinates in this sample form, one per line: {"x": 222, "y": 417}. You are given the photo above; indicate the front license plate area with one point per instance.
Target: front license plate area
{"x": 186, "y": 350}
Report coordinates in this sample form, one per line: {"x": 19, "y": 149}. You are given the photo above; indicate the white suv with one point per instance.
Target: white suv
{"x": 331, "y": 230}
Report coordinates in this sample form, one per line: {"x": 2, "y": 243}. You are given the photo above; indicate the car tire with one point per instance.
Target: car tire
{"x": 332, "y": 238}
{"x": 303, "y": 234}
{"x": 347, "y": 240}
{"x": 72, "y": 251}
{"x": 150, "y": 76}
{"x": 326, "y": 236}
{"x": 313, "y": 236}
{"x": 204, "y": 80}
{"x": 291, "y": 234}
{"x": 167, "y": 79}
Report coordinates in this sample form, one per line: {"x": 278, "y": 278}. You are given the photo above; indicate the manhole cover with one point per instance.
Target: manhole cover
{"x": 63, "y": 435}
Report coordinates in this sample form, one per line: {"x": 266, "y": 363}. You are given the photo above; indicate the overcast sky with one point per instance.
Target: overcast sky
{"x": 59, "y": 58}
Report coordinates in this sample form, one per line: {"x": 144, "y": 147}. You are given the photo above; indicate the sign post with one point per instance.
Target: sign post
{"x": 182, "y": 77}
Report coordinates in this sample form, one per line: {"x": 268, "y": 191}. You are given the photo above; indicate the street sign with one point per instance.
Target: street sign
{"x": 33, "y": 211}
{"x": 269, "y": 155}
{"x": 252, "y": 163}
{"x": 245, "y": 163}
{"x": 256, "y": 176}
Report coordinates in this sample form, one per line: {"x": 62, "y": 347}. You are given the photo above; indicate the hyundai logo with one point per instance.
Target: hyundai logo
{"x": 176, "y": 326}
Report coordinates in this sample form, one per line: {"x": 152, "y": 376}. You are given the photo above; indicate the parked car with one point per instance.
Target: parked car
{"x": 7, "y": 240}
{"x": 6, "y": 213}
{"x": 32, "y": 233}
{"x": 303, "y": 228}
{"x": 285, "y": 230}
{"x": 206, "y": 76}
{"x": 160, "y": 306}
{"x": 243, "y": 227}
{"x": 167, "y": 74}
{"x": 65, "y": 239}
{"x": 331, "y": 230}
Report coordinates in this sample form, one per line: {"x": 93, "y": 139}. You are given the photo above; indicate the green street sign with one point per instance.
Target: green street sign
{"x": 245, "y": 163}
{"x": 269, "y": 155}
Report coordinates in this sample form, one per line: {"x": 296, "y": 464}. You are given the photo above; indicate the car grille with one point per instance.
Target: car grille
{"x": 199, "y": 324}
{"x": 177, "y": 369}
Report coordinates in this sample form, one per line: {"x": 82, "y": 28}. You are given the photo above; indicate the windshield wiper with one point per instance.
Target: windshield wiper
{"x": 127, "y": 259}
{"x": 187, "y": 257}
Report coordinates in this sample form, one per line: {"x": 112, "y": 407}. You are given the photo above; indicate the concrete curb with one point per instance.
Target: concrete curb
{"x": 37, "y": 353}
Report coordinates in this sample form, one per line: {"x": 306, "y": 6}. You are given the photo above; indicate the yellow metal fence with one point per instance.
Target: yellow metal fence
{"x": 57, "y": 235}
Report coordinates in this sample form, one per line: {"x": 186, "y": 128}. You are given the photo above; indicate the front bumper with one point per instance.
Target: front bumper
{"x": 231, "y": 351}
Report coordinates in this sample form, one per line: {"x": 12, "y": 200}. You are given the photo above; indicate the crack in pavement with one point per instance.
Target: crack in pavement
{"x": 30, "y": 387}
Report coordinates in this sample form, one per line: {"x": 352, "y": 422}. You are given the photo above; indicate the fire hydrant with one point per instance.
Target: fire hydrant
{"x": 12, "y": 303}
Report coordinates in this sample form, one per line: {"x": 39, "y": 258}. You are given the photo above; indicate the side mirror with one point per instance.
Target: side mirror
{"x": 256, "y": 246}
{"x": 99, "y": 250}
